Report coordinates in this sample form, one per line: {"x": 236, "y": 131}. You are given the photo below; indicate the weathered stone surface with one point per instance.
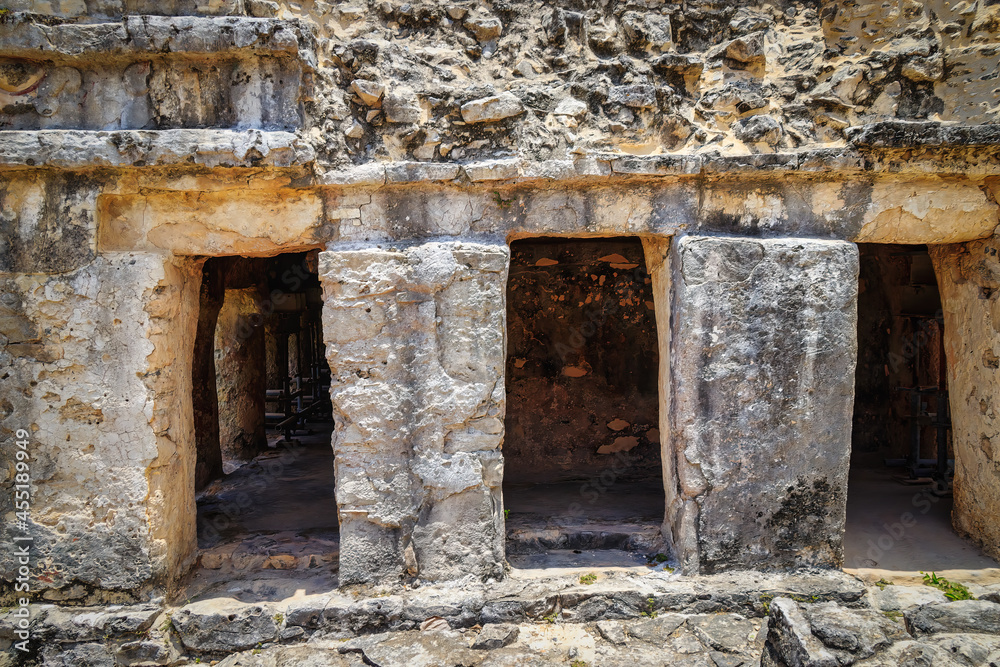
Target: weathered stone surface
{"x": 602, "y": 133}
{"x": 901, "y": 598}
{"x": 790, "y": 640}
{"x": 969, "y": 281}
{"x": 495, "y": 636}
{"x": 820, "y": 635}
{"x": 759, "y": 129}
{"x": 489, "y": 109}
{"x": 239, "y": 370}
{"x": 223, "y": 624}
{"x": 212, "y": 148}
{"x": 971, "y": 616}
{"x": 752, "y": 322}
{"x": 422, "y": 410}
{"x": 94, "y": 373}
{"x": 634, "y": 96}
{"x": 141, "y": 34}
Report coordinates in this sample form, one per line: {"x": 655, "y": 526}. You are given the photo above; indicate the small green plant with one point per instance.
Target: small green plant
{"x": 578, "y": 663}
{"x": 551, "y": 618}
{"x": 882, "y": 583}
{"x": 649, "y": 611}
{"x": 168, "y": 623}
{"x": 893, "y": 615}
{"x": 588, "y": 578}
{"x": 279, "y": 618}
{"x": 660, "y": 558}
{"x": 765, "y": 601}
{"x": 506, "y": 514}
{"x": 951, "y": 589}
{"x": 197, "y": 661}
{"x": 500, "y": 201}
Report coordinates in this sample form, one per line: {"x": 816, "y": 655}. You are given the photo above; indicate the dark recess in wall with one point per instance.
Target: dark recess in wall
{"x": 581, "y": 362}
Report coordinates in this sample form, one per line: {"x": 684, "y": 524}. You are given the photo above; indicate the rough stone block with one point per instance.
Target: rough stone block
{"x": 763, "y": 347}
{"x": 415, "y": 340}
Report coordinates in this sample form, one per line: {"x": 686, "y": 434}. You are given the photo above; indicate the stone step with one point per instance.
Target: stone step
{"x": 278, "y": 551}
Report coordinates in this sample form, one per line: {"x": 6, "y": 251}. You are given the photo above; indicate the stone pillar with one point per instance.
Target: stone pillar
{"x": 657, "y": 252}
{"x": 763, "y": 346}
{"x": 205, "y": 397}
{"x": 240, "y": 375}
{"x": 98, "y": 372}
{"x": 968, "y": 277}
{"x": 416, "y": 344}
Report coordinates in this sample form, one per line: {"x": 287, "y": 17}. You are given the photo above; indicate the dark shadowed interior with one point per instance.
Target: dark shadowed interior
{"x": 582, "y": 443}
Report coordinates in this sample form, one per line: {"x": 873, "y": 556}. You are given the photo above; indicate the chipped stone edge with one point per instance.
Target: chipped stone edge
{"x": 82, "y": 149}
{"x": 912, "y": 134}
{"x": 21, "y": 36}
{"x": 73, "y": 149}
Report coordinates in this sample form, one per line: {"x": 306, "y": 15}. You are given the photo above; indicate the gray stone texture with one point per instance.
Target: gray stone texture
{"x": 762, "y": 353}
{"x": 415, "y": 341}
{"x": 968, "y": 276}
{"x": 804, "y": 634}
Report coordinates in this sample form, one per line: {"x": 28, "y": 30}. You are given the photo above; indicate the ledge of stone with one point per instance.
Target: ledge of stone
{"x": 78, "y": 149}
{"x": 906, "y": 134}
{"x": 22, "y": 37}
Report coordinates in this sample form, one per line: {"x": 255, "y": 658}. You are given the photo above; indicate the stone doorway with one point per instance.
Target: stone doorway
{"x": 583, "y": 481}
{"x": 902, "y": 461}
{"x": 264, "y": 473}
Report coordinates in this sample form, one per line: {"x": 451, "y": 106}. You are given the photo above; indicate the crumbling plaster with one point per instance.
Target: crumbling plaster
{"x": 109, "y": 414}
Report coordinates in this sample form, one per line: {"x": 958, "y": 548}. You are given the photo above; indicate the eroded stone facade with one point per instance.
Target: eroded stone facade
{"x": 748, "y": 147}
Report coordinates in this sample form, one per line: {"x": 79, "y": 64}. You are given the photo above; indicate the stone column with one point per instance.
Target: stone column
{"x": 98, "y": 373}
{"x": 763, "y": 346}
{"x": 416, "y": 344}
{"x": 968, "y": 277}
{"x": 205, "y": 398}
{"x": 240, "y": 375}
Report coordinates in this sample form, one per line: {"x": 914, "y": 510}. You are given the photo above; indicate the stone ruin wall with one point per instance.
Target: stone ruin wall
{"x": 748, "y": 146}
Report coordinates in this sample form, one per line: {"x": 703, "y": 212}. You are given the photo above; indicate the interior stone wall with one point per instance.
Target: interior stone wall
{"x": 582, "y": 361}
{"x": 968, "y": 276}
{"x": 894, "y": 350}
{"x": 415, "y": 339}
{"x": 763, "y": 345}
{"x": 110, "y": 425}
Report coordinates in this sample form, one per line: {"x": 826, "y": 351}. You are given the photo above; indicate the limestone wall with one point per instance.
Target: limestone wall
{"x": 969, "y": 279}
{"x": 411, "y": 141}
{"x": 88, "y": 353}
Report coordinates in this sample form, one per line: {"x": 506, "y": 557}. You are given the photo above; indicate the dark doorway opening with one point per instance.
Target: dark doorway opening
{"x": 899, "y": 494}
{"x": 582, "y": 469}
{"x": 264, "y": 471}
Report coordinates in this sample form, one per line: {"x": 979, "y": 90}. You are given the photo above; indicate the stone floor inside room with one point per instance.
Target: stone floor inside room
{"x": 269, "y": 528}
{"x": 582, "y": 524}
{"x": 875, "y": 547}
